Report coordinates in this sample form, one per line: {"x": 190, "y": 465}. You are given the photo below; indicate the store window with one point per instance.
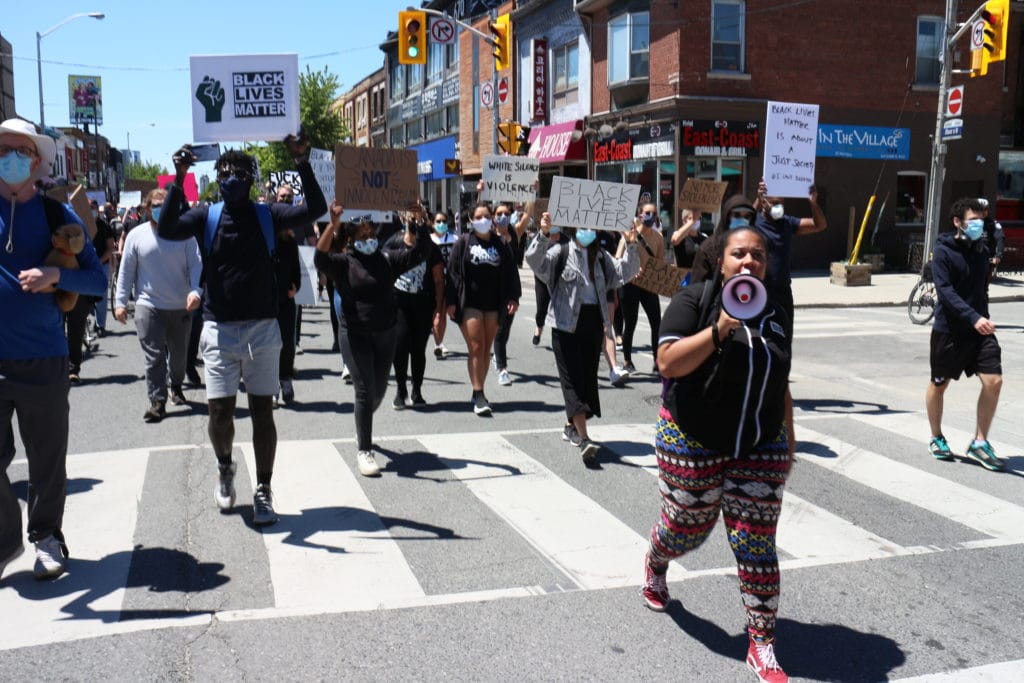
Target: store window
{"x": 566, "y": 68}
{"x": 911, "y": 193}
{"x": 629, "y": 47}
{"x": 930, "y": 34}
{"x": 727, "y": 35}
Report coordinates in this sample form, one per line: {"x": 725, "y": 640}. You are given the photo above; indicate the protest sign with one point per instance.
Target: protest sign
{"x": 276, "y": 179}
{"x": 660, "y": 277}
{"x": 376, "y": 178}
{"x": 367, "y": 215}
{"x": 322, "y": 163}
{"x": 578, "y": 203}
{"x": 98, "y": 196}
{"x": 191, "y": 189}
{"x": 130, "y": 198}
{"x": 244, "y": 97}
{"x": 702, "y": 195}
{"x": 306, "y": 296}
{"x": 141, "y": 186}
{"x": 80, "y": 203}
{"x": 791, "y": 135}
{"x": 509, "y": 179}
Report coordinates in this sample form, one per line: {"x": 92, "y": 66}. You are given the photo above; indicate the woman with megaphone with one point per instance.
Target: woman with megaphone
{"x": 721, "y": 440}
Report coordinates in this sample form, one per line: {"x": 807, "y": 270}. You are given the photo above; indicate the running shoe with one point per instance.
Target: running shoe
{"x": 417, "y": 400}
{"x": 939, "y": 448}
{"x": 617, "y": 376}
{"x": 263, "y": 506}
{"x": 50, "y": 555}
{"x": 157, "y": 411}
{"x": 367, "y": 464}
{"x": 571, "y": 435}
{"x": 655, "y": 590}
{"x": 504, "y": 379}
{"x": 178, "y": 396}
{"x": 225, "y": 491}
{"x": 985, "y": 455}
{"x": 588, "y": 450}
{"x": 761, "y": 660}
{"x": 399, "y": 402}
{"x": 481, "y": 406}
{"x": 287, "y": 391}
{"x": 628, "y": 368}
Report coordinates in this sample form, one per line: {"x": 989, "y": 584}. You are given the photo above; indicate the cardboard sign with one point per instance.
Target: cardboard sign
{"x": 578, "y": 203}
{"x": 141, "y": 186}
{"x": 510, "y": 179}
{"x": 375, "y": 178}
{"x": 130, "y": 198}
{"x": 306, "y": 296}
{"x": 790, "y": 146}
{"x": 660, "y": 277}
{"x": 191, "y": 189}
{"x": 80, "y": 203}
{"x": 703, "y": 195}
{"x": 244, "y": 97}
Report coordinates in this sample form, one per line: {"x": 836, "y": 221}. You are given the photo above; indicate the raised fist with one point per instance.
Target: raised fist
{"x": 211, "y": 95}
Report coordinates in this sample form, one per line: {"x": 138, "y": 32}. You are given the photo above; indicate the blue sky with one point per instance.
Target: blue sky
{"x": 141, "y": 50}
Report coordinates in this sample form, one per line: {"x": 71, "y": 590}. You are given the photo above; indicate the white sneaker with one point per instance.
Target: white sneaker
{"x": 504, "y": 379}
{"x": 346, "y": 376}
{"x": 224, "y": 492}
{"x": 616, "y": 376}
{"x": 367, "y": 464}
{"x": 50, "y": 554}
{"x": 440, "y": 352}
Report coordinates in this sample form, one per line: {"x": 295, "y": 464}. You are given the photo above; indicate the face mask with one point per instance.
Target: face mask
{"x": 154, "y": 213}
{"x": 501, "y": 220}
{"x": 95, "y": 213}
{"x": 482, "y": 225}
{"x": 974, "y": 228}
{"x": 586, "y": 236}
{"x": 233, "y": 190}
{"x": 440, "y": 228}
{"x": 554, "y": 230}
{"x": 777, "y": 212}
{"x": 738, "y": 222}
{"x": 15, "y": 169}
{"x": 648, "y": 219}
{"x": 366, "y": 247}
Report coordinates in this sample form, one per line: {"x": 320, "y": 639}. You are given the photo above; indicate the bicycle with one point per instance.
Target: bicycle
{"x": 923, "y": 297}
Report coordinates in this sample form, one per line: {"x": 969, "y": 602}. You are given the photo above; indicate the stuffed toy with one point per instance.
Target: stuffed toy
{"x": 68, "y": 241}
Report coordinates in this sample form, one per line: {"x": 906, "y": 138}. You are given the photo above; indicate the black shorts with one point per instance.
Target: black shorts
{"x": 952, "y": 355}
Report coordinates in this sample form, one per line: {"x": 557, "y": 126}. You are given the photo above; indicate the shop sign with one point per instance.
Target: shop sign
{"x": 450, "y": 91}
{"x": 540, "y": 80}
{"x": 720, "y": 138}
{"x": 431, "y": 98}
{"x": 863, "y": 142}
{"x": 649, "y": 142}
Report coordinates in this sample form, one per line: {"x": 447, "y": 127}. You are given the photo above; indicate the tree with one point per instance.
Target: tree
{"x": 144, "y": 171}
{"x": 323, "y": 125}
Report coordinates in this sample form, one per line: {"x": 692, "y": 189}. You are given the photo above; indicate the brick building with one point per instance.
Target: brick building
{"x": 364, "y": 109}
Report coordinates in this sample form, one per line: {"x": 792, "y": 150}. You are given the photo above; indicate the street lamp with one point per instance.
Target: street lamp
{"x": 39, "y": 58}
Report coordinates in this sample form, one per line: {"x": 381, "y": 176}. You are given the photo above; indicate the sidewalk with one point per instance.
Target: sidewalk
{"x": 813, "y": 289}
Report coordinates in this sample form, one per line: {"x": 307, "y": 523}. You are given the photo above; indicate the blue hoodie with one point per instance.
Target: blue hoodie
{"x": 31, "y": 325}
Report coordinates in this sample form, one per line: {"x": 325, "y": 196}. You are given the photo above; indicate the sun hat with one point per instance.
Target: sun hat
{"x": 45, "y": 145}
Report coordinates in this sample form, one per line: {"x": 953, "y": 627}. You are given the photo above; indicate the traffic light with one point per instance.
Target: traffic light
{"x": 996, "y": 16}
{"x": 522, "y": 140}
{"x": 412, "y": 37}
{"x": 506, "y": 137}
{"x": 501, "y": 28}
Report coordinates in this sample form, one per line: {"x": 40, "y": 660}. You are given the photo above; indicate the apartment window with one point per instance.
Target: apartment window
{"x": 931, "y": 32}
{"x": 415, "y": 77}
{"x": 435, "y": 124}
{"x": 566, "y": 68}
{"x": 414, "y": 131}
{"x": 727, "y": 35}
{"x": 435, "y": 62}
{"x": 397, "y": 139}
{"x": 397, "y": 81}
{"x": 453, "y": 117}
{"x": 452, "y": 55}
{"x": 629, "y": 47}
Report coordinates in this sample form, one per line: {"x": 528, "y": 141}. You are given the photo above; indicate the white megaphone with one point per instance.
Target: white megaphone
{"x": 744, "y": 296}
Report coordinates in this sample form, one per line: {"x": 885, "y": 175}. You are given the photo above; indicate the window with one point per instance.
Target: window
{"x": 911, "y": 190}
{"x": 452, "y": 55}
{"x": 727, "y": 33}
{"x": 931, "y": 31}
{"x": 397, "y": 140}
{"x": 397, "y": 81}
{"x": 566, "y": 74}
{"x": 453, "y": 117}
{"x": 628, "y": 47}
{"x": 414, "y": 131}
{"x": 435, "y": 62}
{"x": 435, "y": 124}
{"x": 415, "y": 77}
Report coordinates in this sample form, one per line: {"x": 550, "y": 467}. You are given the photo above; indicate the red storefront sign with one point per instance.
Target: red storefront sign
{"x": 720, "y": 138}
{"x": 554, "y": 143}
{"x": 539, "y": 80}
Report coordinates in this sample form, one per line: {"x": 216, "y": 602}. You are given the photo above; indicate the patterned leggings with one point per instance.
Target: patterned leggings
{"x": 695, "y": 483}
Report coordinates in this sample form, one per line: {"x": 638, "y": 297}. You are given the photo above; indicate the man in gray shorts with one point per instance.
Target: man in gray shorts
{"x": 240, "y": 339}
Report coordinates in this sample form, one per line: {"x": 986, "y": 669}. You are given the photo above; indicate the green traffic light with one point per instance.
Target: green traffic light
{"x": 413, "y": 51}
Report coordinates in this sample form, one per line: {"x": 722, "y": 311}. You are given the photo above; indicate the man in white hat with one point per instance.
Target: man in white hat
{"x": 33, "y": 349}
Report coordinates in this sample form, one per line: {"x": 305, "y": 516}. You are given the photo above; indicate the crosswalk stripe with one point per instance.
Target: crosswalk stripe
{"x": 330, "y": 549}
{"x": 988, "y": 673}
{"x": 968, "y": 506}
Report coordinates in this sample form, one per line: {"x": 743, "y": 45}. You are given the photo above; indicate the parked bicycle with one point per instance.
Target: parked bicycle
{"x": 923, "y": 297}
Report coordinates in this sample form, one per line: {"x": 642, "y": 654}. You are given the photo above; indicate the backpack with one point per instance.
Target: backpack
{"x": 563, "y": 256}
{"x": 55, "y": 213}
{"x": 262, "y": 215}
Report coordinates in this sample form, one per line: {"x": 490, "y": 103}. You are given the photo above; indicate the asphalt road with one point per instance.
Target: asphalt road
{"x": 488, "y": 552}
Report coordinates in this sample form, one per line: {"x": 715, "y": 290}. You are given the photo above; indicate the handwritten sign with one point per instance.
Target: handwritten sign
{"x": 660, "y": 277}
{"x": 375, "y": 178}
{"x": 509, "y": 179}
{"x": 130, "y": 198}
{"x": 791, "y": 135}
{"x": 703, "y": 195}
{"x": 578, "y": 203}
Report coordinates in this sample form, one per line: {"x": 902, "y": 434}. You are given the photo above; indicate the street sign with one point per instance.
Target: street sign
{"x": 952, "y": 129}
{"x": 955, "y": 101}
{"x": 978, "y": 35}
{"x": 486, "y": 95}
{"x": 442, "y": 30}
{"x": 452, "y": 167}
{"x": 503, "y": 90}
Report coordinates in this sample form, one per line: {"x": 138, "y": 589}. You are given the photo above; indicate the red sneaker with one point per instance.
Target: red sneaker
{"x": 655, "y": 591}
{"x": 761, "y": 660}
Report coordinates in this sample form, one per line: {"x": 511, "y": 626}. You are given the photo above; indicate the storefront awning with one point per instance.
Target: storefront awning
{"x": 554, "y": 143}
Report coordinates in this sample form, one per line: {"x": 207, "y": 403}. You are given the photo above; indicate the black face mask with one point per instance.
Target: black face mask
{"x": 233, "y": 189}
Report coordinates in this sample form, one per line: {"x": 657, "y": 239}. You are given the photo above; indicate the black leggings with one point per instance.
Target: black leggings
{"x": 368, "y": 356}
{"x": 286, "y": 321}
{"x": 543, "y": 301}
{"x": 632, "y": 299}
{"x": 505, "y": 321}
{"x": 221, "y": 429}
{"x": 415, "y": 315}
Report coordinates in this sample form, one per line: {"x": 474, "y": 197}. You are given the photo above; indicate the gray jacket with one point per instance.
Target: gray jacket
{"x": 566, "y": 301}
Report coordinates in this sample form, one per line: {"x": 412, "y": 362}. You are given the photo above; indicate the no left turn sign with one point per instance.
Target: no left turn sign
{"x": 487, "y": 95}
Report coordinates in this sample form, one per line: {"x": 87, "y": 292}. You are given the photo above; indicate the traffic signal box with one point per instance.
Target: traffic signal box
{"x": 513, "y": 138}
{"x": 412, "y": 37}
{"x": 997, "y": 21}
{"x": 501, "y": 29}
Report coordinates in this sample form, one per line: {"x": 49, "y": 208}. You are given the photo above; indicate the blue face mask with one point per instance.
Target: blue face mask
{"x": 554, "y": 230}
{"x": 648, "y": 219}
{"x": 974, "y": 228}
{"x": 15, "y": 168}
{"x": 440, "y": 228}
{"x": 234, "y": 190}
{"x": 738, "y": 222}
{"x": 366, "y": 247}
{"x": 501, "y": 220}
{"x": 154, "y": 213}
{"x": 586, "y": 236}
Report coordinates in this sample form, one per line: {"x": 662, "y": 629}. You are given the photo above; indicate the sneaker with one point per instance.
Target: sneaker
{"x": 939, "y": 448}
{"x": 11, "y": 557}
{"x": 367, "y": 464}
{"x": 440, "y": 352}
{"x": 588, "y": 450}
{"x": 101, "y": 332}
{"x": 504, "y": 379}
{"x": 298, "y": 350}
{"x": 178, "y": 396}
{"x": 417, "y": 400}
{"x": 628, "y": 368}
{"x": 157, "y": 411}
{"x": 263, "y": 506}
{"x": 481, "y": 406}
{"x": 346, "y": 376}
{"x": 399, "y": 402}
{"x": 571, "y": 435}
{"x": 655, "y": 590}
{"x": 225, "y": 491}
{"x": 536, "y": 340}
{"x": 617, "y": 376}
{"x": 50, "y": 555}
{"x": 985, "y": 455}
{"x": 74, "y": 377}
{"x": 761, "y": 660}
{"x": 287, "y": 391}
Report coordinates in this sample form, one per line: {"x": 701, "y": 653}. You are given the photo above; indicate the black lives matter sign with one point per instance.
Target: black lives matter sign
{"x": 258, "y": 94}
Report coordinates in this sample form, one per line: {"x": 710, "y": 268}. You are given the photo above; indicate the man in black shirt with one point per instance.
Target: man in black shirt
{"x": 241, "y": 339}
